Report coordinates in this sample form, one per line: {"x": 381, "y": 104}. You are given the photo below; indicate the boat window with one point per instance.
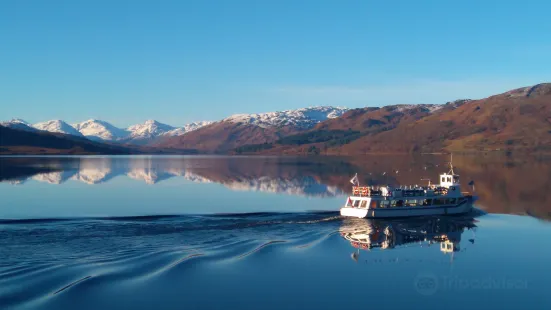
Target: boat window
{"x": 399, "y": 203}
{"x": 385, "y": 204}
{"x": 427, "y": 202}
{"x": 451, "y": 200}
{"x": 393, "y": 203}
{"x": 460, "y": 200}
{"x": 443, "y": 179}
{"x": 411, "y": 202}
{"x": 373, "y": 204}
{"x": 439, "y": 201}
{"x": 449, "y": 179}
{"x": 356, "y": 203}
{"x": 455, "y": 179}
{"x": 364, "y": 204}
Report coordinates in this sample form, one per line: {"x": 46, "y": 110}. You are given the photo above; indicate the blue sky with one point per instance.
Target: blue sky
{"x": 183, "y": 61}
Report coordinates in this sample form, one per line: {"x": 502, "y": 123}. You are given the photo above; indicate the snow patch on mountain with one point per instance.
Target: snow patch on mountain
{"x": 187, "y": 128}
{"x": 100, "y": 130}
{"x": 435, "y": 108}
{"x": 149, "y": 129}
{"x": 458, "y": 102}
{"x": 16, "y": 121}
{"x": 58, "y": 126}
{"x": 19, "y": 124}
{"x": 302, "y": 118}
{"x": 430, "y": 108}
{"x": 405, "y": 107}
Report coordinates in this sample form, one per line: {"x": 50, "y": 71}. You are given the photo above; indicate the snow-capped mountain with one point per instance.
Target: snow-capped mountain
{"x": 301, "y": 118}
{"x": 187, "y": 128}
{"x": 103, "y": 131}
{"x": 149, "y": 129}
{"x": 58, "y": 126}
{"x": 17, "y": 123}
{"x": 100, "y": 130}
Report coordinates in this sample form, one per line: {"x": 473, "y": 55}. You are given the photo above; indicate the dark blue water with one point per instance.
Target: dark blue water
{"x": 262, "y": 233}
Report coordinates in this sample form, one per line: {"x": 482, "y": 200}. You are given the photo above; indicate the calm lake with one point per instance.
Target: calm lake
{"x": 207, "y": 232}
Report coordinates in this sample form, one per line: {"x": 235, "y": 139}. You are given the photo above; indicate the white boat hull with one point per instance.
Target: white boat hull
{"x": 406, "y": 211}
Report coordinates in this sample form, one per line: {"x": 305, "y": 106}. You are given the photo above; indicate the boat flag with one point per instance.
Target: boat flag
{"x": 355, "y": 181}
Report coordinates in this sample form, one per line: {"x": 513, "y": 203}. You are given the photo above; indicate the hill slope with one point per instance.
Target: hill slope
{"x": 518, "y": 120}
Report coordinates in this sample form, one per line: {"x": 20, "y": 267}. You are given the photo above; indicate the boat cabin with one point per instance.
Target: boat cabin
{"x": 448, "y": 180}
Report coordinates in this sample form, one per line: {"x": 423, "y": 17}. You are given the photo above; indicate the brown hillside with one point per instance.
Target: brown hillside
{"x": 224, "y": 136}
{"x": 375, "y": 119}
{"x": 518, "y": 120}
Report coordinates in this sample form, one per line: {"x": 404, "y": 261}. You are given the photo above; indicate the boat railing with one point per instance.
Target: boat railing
{"x": 366, "y": 191}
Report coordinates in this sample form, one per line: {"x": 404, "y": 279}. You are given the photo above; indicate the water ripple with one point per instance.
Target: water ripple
{"x": 39, "y": 255}
{"x": 72, "y": 284}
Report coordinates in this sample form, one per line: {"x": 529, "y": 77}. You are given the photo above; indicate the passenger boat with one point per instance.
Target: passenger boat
{"x": 387, "y": 202}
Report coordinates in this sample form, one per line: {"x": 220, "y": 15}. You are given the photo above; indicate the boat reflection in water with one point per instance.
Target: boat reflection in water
{"x": 366, "y": 234}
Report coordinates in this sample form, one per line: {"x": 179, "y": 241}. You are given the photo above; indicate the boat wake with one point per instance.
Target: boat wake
{"x": 43, "y": 259}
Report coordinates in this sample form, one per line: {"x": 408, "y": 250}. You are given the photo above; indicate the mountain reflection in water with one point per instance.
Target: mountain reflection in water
{"x": 503, "y": 184}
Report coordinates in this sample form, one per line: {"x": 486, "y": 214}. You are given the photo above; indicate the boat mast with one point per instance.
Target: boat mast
{"x": 451, "y": 164}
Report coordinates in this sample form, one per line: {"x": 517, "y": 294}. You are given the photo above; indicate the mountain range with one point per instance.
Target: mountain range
{"x": 150, "y": 130}
{"x": 103, "y": 131}
{"x": 517, "y": 120}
